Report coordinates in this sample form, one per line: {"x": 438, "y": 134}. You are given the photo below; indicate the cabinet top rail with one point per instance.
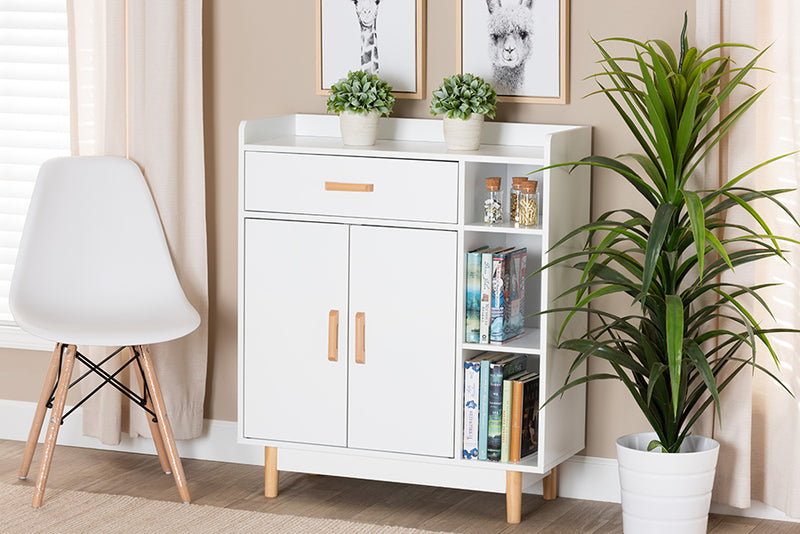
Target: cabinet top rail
{"x": 320, "y": 133}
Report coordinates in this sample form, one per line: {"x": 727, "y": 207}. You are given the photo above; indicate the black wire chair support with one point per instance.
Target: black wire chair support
{"x": 108, "y": 378}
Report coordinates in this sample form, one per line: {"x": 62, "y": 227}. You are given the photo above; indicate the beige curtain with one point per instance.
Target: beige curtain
{"x": 136, "y": 91}
{"x": 760, "y": 427}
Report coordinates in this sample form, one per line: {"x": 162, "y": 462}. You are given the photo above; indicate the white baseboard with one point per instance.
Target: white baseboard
{"x": 580, "y": 477}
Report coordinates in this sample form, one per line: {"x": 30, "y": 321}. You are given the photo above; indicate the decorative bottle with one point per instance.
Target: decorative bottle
{"x": 528, "y": 208}
{"x": 493, "y": 205}
{"x": 516, "y": 189}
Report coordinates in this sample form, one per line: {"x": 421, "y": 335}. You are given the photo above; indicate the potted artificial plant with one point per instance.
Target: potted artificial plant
{"x": 360, "y": 99}
{"x": 464, "y": 100}
{"x": 688, "y": 331}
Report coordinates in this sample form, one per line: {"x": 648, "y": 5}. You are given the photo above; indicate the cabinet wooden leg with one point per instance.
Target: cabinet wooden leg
{"x": 270, "y": 472}
{"x": 513, "y": 497}
{"x": 550, "y": 485}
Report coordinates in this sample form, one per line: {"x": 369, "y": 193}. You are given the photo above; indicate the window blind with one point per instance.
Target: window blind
{"x": 34, "y": 113}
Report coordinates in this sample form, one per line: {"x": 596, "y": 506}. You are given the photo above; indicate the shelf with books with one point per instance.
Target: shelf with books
{"x": 501, "y": 408}
{"x": 502, "y": 291}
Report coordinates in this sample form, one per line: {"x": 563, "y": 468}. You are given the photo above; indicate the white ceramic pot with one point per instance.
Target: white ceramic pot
{"x": 463, "y": 134}
{"x": 359, "y": 129}
{"x": 666, "y": 493}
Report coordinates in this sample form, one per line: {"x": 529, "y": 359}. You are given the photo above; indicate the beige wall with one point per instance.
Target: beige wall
{"x": 259, "y": 61}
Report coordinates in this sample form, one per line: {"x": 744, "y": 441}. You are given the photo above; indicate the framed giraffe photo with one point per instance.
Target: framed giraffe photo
{"x": 385, "y": 37}
{"x": 521, "y": 47}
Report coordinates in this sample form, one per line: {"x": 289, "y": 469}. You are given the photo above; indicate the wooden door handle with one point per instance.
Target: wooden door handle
{"x": 333, "y": 335}
{"x": 361, "y": 320}
{"x": 348, "y": 186}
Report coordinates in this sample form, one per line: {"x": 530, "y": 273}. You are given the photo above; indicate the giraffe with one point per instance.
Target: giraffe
{"x": 367, "y": 13}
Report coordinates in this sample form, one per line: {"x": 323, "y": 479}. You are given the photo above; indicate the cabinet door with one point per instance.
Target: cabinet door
{"x": 295, "y": 274}
{"x": 402, "y": 396}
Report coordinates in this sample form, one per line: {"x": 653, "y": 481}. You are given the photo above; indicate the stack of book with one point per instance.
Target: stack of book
{"x": 495, "y": 294}
{"x": 501, "y": 408}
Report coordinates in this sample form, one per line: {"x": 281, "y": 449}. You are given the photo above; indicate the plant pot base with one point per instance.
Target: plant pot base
{"x": 664, "y": 492}
{"x": 463, "y": 134}
{"x": 359, "y": 129}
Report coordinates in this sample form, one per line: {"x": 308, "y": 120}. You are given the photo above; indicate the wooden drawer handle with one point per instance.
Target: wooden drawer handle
{"x": 333, "y": 336}
{"x": 346, "y": 186}
{"x": 361, "y": 320}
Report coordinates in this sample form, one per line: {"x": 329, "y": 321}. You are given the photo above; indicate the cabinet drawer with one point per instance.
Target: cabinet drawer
{"x": 380, "y": 188}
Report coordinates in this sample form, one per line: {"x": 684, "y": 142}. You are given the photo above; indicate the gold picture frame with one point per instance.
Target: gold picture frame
{"x": 545, "y": 75}
{"x": 337, "y": 50}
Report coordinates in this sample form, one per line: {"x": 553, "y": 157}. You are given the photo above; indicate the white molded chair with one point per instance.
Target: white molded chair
{"x": 93, "y": 268}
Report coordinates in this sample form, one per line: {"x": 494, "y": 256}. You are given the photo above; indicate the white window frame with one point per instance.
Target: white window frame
{"x": 43, "y": 15}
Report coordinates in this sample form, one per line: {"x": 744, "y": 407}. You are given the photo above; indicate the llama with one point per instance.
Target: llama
{"x": 510, "y": 42}
{"x": 367, "y": 13}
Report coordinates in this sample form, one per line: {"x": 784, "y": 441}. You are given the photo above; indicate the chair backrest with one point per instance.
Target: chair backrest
{"x": 92, "y": 247}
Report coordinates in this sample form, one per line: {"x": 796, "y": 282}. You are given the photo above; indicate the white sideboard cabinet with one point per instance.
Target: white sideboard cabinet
{"x": 351, "y": 297}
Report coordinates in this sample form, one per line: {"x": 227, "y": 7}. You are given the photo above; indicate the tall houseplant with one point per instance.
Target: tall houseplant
{"x": 681, "y": 342}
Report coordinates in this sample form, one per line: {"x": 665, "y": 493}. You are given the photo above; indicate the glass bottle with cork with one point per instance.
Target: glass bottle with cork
{"x": 516, "y": 190}
{"x": 493, "y": 205}
{"x": 528, "y": 207}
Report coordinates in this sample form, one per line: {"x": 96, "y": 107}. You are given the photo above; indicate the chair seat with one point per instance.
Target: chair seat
{"x": 119, "y": 327}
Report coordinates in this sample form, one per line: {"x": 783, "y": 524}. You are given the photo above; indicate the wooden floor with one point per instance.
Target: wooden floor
{"x": 241, "y": 487}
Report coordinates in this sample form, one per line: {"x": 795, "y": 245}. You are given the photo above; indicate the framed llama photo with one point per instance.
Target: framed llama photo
{"x": 385, "y": 37}
{"x": 521, "y": 47}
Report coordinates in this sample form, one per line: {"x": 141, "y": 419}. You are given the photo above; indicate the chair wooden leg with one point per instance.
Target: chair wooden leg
{"x": 55, "y": 422}
{"x": 271, "y": 472}
{"x": 41, "y": 411}
{"x": 550, "y": 485}
{"x": 163, "y": 422}
{"x": 513, "y": 497}
{"x": 158, "y": 440}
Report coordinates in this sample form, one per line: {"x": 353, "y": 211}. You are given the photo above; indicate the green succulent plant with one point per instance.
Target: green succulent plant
{"x": 461, "y": 95}
{"x": 361, "y": 92}
{"x": 688, "y": 330}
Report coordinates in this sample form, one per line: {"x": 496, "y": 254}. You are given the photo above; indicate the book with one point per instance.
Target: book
{"x": 508, "y": 295}
{"x": 530, "y": 417}
{"x": 498, "y": 370}
{"x": 505, "y": 428}
{"x": 517, "y": 273}
{"x": 483, "y": 407}
{"x": 472, "y": 290}
{"x": 524, "y": 435}
{"x": 486, "y": 293}
{"x": 472, "y": 373}
{"x": 483, "y": 410}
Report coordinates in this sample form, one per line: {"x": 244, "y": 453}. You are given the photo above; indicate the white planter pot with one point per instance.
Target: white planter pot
{"x": 666, "y": 493}
{"x": 460, "y": 134}
{"x": 359, "y": 129}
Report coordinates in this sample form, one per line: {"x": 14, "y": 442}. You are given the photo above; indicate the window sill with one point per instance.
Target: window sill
{"x": 14, "y": 337}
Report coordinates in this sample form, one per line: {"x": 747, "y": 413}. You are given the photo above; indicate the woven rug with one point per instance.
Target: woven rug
{"x": 66, "y": 511}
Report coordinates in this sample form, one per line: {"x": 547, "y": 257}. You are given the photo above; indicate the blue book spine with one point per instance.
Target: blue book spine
{"x": 472, "y": 321}
{"x": 494, "y": 429}
{"x": 499, "y": 297}
{"x": 483, "y": 407}
{"x": 485, "y": 314}
{"x": 472, "y": 379}
{"x": 497, "y": 372}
